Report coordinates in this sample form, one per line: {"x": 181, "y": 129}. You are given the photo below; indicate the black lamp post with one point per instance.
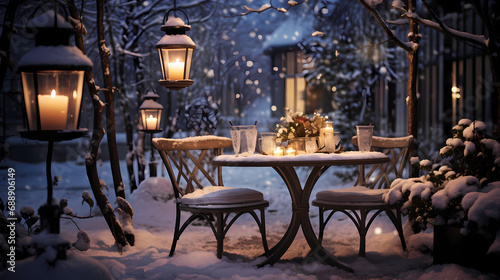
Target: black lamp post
{"x": 52, "y": 75}
{"x": 151, "y": 117}
{"x": 176, "y": 51}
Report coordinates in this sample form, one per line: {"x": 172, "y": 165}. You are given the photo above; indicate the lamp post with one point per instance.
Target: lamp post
{"x": 151, "y": 112}
{"x": 176, "y": 51}
{"x": 52, "y": 77}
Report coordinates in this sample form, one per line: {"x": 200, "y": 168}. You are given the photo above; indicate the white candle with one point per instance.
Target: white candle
{"x": 325, "y": 135}
{"x": 278, "y": 152}
{"x": 290, "y": 152}
{"x": 176, "y": 70}
{"x": 53, "y": 111}
{"x": 151, "y": 123}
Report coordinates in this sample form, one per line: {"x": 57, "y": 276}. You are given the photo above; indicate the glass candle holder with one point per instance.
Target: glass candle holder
{"x": 326, "y": 139}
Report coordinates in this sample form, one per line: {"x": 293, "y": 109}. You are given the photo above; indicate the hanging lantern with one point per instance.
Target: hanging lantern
{"x": 151, "y": 115}
{"x": 52, "y": 76}
{"x": 176, "y": 52}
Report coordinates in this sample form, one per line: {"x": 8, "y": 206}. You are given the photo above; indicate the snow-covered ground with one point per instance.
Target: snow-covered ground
{"x": 195, "y": 254}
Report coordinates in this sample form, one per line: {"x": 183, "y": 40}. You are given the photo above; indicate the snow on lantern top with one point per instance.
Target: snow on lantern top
{"x": 151, "y": 95}
{"x": 150, "y": 104}
{"x": 175, "y": 22}
{"x": 52, "y": 50}
{"x": 54, "y": 58}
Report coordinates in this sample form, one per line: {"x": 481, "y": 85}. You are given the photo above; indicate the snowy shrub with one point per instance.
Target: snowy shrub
{"x": 462, "y": 189}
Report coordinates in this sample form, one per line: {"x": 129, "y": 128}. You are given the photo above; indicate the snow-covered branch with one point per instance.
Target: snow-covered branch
{"x": 440, "y": 26}
{"x": 266, "y": 7}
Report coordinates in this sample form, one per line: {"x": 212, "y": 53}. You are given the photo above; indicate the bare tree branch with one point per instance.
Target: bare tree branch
{"x": 370, "y": 45}
{"x": 443, "y": 28}
{"x": 400, "y": 43}
{"x": 264, "y": 8}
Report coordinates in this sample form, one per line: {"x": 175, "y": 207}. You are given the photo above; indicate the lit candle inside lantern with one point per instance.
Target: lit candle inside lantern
{"x": 278, "y": 152}
{"x": 290, "y": 152}
{"x": 176, "y": 70}
{"x": 151, "y": 123}
{"x": 53, "y": 110}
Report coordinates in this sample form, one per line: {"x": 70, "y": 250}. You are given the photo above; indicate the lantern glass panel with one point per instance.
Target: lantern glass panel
{"x": 151, "y": 119}
{"x": 175, "y": 63}
{"x": 55, "y": 97}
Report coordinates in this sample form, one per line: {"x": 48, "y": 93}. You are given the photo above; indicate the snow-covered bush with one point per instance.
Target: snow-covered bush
{"x": 463, "y": 189}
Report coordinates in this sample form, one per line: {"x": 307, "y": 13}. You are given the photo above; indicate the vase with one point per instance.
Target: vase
{"x": 450, "y": 246}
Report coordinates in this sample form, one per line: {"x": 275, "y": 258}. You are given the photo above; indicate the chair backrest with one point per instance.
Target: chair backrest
{"x": 381, "y": 175}
{"x": 189, "y": 161}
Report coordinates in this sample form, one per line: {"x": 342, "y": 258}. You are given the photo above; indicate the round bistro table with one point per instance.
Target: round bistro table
{"x": 285, "y": 167}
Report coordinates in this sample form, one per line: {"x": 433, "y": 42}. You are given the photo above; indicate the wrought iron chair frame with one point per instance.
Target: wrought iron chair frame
{"x": 171, "y": 152}
{"x": 358, "y": 211}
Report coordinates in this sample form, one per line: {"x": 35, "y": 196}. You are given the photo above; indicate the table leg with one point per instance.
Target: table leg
{"x": 300, "y": 216}
{"x": 317, "y": 249}
{"x": 292, "y": 182}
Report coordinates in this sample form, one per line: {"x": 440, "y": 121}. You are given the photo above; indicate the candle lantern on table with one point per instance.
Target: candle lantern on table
{"x": 291, "y": 152}
{"x": 278, "y": 152}
{"x": 176, "y": 51}
{"x": 326, "y": 138}
{"x": 151, "y": 112}
{"x": 52, "y": 76}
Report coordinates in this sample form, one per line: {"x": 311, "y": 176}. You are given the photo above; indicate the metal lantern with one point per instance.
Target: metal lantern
{"x": 52, "y": 76}
{"x": 176, "y": 52}
{"x": 151, "y": 115}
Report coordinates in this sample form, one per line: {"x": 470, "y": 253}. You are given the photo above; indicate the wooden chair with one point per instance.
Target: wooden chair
{"x": 188, "y": 163}
{"x": 366, "y": 196}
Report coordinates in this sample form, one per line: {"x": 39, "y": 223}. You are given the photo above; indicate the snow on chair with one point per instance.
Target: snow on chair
{"x": 188, "y": 163}
{"x": 366, "y": 195}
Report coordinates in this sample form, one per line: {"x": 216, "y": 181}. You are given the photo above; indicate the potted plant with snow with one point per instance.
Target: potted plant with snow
{"x": 459, "y": 196}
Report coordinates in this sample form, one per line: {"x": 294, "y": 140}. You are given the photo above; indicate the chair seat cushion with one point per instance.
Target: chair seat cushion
{"x": 357, "y": 194}
{"x": 222, "y": 195}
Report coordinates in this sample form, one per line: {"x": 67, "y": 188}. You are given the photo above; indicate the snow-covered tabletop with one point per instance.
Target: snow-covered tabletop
{"x": 317, "y": 159}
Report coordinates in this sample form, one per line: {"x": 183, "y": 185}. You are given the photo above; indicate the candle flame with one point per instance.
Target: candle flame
{"x": 150, "y": 116}
{"x": 177, "y": 61}
{"x": 74, "y": 94}
{"x": 53, "y": 94}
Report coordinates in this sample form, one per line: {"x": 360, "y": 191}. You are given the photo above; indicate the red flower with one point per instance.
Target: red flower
{"x": 301, "y": 119}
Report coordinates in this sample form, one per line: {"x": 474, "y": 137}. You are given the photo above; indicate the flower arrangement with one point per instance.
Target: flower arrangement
{"x": 463, "y": 189}
{"x": 296, "y": 124}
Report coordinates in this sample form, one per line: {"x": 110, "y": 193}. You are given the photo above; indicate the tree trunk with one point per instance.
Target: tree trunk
{"x": 412, "y": 102}
{"x": 119, "y": 67}
{"x": 493, "y": 54}
{"x": 97, "y": 135}
{"x": 90, "y": 163}
{"x": 7, "y": 30}
{"x": 139, "y": 151}
{"x": 141, "y": 161}
{"x": 110, "y": 110}
{"x": 130, "y": 144}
